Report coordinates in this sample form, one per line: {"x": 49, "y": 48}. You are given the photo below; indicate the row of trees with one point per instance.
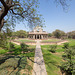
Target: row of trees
{"x": 61, "y": 34}
{"x": 23, "y": 34}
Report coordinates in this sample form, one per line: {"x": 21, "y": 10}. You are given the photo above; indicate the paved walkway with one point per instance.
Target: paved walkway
{"x": 39, "y": 66}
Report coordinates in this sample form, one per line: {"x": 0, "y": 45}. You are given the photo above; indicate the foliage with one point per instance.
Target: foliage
{"x": 5, "y": 37}
{"x": 3, "y": 51}
{"x": 49, "y": 35}
{"x": 20, "y": 34}
{"x": 12, "y": 46}
{"x": 71, "y": 34}
{"x": 3, "y": 40}
{"x": 58, "y": 33}
{"x": 53, "y": 48}
{"x": 24, "y": 46}
{"x": 69, "y": 65}
{"x": 18, "y": 11}
{"x": 66, "y": 45}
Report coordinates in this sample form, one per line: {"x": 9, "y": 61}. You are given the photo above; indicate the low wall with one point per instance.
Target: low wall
{"x": 28, "y": 43}
{"x": 42, "y": 43}
{"x": 52, "y": 43}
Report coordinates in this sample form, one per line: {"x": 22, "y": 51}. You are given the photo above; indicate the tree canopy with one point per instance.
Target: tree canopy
{"x": 20, "y": 34}
{"x": 58, "y": 33}
{"x": 18, "y": 10}
{"x": 71, "y": 34}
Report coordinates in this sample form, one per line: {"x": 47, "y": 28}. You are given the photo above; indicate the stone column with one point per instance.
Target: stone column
{"x": 32, "y": 36}
{"x": 42, "y": 36}
{"x": 36, "y": 36}
{"x": 39, "y": 36}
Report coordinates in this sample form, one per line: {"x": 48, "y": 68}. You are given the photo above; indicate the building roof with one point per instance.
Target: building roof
{"x": 38, "y": 33}
{"x": 38, "y": 30}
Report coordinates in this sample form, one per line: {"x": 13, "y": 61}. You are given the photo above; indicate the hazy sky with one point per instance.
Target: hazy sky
{"x": 55, "y": 17}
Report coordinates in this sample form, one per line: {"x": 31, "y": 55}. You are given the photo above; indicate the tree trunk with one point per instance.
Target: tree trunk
{"x": 1, "y": 24}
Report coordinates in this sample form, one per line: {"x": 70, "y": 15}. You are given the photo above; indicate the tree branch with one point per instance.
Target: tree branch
{"x": 4, "y": 4}
{"x": 14, "y": 5}
{"x": 20, "y": 14}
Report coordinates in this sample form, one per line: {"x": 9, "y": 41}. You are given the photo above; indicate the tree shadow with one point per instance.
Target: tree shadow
{"x": 14, "y": 63}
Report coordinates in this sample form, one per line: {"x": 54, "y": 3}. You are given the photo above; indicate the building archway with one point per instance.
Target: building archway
{"x": 37, "y": 36}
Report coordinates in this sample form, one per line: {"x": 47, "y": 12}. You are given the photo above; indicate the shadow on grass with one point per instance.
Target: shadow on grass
{"x": 16, "y": 60}
{"x": 15, "y": 64}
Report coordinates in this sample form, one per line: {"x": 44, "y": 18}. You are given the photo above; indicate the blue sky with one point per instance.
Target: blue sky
{"x": 55, "y": 17}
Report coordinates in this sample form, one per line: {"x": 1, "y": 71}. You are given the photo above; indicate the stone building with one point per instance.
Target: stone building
{"x": 38, "y": 33}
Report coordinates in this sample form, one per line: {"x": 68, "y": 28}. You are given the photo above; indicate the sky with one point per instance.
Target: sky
{"x": 55, "y": 17}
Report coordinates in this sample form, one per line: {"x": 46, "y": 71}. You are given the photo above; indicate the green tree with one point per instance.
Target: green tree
{"x": 49, "y": 35}
{"x": 17, "y": 10}
{"x": 69, "y": 65}
{"x": 24, "y": 47}
{"x": 71, "y": 34}
{"x": 58, "y": 33}
{"x": 20, "y": 34}
{"x": 20, "y": 10}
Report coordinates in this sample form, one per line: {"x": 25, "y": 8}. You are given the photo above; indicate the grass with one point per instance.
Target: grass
{"x": 51, "y": 40}
{"x": 54, "y": 60}
{"x": 16, "y": 60}
{"x": 3, "y": 51}
{"x": 25, "y": 40}
{"x": 71, "y": 42}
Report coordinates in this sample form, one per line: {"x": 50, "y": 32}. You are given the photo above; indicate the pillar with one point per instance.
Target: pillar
{"x": 36, "y": 36}
{"x": 39, "y": 36}
{"x": 42, "y": 36}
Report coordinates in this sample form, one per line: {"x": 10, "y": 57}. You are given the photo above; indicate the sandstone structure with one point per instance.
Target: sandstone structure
{"x": 38, "y": 33}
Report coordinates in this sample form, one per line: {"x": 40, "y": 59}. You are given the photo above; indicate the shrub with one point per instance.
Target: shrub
{"x": 3, "y": 43}
{"x": 24, "y": 47}
{"x": 53, "y": 48}
{"x": 12, "y": 46}
{"x": 69, "y": 65}
{"x": 66, "y": 45}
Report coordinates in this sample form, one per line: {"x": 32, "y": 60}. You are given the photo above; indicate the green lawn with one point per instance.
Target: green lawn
{"x": 54, "y": 60}
{"x": 71, "y": 42}
{"x": 51, "y": 40}
{"x": 3, "y": 51}
{"x": 25, "y": 40}
{"x": 14, "y": 62}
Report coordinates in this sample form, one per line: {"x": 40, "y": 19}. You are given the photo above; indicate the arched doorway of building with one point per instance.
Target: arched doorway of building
{"x": 37, "y": 36}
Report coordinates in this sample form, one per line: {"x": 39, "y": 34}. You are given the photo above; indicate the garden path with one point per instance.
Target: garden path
{"x": 39, "y": 65}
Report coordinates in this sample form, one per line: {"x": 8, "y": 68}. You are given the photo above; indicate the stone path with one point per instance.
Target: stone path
{"x": 39, "y": 66}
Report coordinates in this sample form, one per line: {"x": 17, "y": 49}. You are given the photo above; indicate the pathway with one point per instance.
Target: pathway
{"x": 39, "y": 66}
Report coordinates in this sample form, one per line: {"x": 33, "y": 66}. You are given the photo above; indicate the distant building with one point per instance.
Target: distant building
{"x": 38, "y": 33}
